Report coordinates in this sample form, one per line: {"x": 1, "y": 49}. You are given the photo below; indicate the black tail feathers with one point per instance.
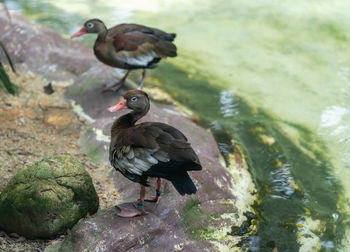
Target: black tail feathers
{"x": 170, "y": 37}
{"x": 183, "y": 184}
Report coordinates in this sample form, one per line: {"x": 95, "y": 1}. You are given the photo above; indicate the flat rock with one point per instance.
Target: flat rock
{"x": 46, "y": 198}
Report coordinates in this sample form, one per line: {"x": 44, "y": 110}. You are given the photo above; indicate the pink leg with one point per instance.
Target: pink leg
{"x": 115, "y": 86}
{"x": 138, "y": 210}
{"x": 157, "y": 197}
{"x": 144, "y": 75}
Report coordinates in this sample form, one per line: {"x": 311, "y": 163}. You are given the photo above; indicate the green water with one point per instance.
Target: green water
{"x": 275, "y": 75}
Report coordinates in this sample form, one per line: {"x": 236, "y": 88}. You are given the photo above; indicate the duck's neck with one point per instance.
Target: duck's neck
{"x": 101, "y": 36}
{"x": 128, "y": 120}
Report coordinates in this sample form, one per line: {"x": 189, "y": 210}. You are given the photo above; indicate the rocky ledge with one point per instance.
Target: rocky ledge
{"x": 203, "y": 222}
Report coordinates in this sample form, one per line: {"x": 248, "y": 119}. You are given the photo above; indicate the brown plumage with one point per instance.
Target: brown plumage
{"x": 129, "y": 46}
{"x": 150, "y": 149}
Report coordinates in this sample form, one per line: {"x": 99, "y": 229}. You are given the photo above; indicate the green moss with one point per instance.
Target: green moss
{"x": 93, "y": 153}
{"x": 196, "y": 222}
{"x": 47, "y": 197}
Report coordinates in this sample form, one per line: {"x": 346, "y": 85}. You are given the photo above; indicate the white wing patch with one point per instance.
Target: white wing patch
{"x": 137, "y": 160}
{"x": 137, "y": 60}
{"x": 141, "y": 60}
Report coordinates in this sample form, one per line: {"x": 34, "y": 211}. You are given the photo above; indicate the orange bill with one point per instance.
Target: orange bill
{"x": 121, "y": 105}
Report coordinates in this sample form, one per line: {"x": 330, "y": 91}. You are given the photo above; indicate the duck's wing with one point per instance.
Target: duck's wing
{"x": 152, "y": 149}
{"x": 127, "y": 28}
{"x": 139, "y": 49}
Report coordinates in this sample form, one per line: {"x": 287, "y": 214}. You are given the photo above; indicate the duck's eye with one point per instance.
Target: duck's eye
{"x": 134, "y": 99}
{"x": 90, "y": 25}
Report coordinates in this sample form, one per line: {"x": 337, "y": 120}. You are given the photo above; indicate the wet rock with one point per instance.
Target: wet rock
{"x": 245, "y": 227}
{"x": 58, "y": 118}
{"x": 46, "y": 198}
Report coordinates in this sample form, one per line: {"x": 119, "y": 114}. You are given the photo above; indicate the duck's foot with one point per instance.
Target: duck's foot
{"x": 130, "y": 212}
{"x": 113, "y": 86}
{"x": 154, "y": 199}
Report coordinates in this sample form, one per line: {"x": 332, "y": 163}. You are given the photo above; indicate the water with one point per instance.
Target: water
{"x": 275, "y": 75}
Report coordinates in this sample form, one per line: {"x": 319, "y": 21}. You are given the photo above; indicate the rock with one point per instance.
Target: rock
{"x": 57, "y": 118}
{"x": 21, "y": 239}
{"x": 108, "y": 231}
{"x": 48, "y": 89}
{"x": 14, "y": 235}
{"x": 2, "y": 241}
{"x": 46, "y": 198}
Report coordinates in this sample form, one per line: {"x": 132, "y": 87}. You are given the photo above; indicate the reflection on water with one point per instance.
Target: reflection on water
{"x": 228, "y": 106}
{"x": 273, "y": 74}
{"x": 281, "y": 181}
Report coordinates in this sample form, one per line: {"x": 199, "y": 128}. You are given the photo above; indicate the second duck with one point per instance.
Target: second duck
{"x": 129, "y": 46}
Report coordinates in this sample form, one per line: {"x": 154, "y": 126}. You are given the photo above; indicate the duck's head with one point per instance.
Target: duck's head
{"x": 136, "y": 100}
{"x": 91, "y": 26}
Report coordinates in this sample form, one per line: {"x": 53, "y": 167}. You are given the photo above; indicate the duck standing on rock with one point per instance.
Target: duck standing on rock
{"x": 149, "y": 149}
{"x": 129, "y": 46}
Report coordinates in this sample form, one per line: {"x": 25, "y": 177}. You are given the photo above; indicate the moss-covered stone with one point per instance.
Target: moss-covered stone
{"x": 46, "y": 198}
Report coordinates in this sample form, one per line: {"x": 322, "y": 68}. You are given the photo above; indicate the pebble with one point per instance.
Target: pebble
{"x": 14, "y": 235}
{"x": 2, "y": 241}
{"x": 58, "y": 118}
{"x": 22, "y": 120}
{"x": 21, "y": 239}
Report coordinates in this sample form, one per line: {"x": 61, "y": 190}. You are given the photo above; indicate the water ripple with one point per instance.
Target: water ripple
{"x": 229, "y": 107}
{"x": 282, "y": 180}
{"x": 333, "y": 115}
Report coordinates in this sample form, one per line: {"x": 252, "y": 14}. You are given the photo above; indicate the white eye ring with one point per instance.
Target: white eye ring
{"x": 90, "y": 25}
{"x": 134, "y": 99}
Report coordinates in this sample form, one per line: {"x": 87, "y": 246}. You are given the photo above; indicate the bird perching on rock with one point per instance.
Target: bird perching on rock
{"x": 149, "y": 149}
{"x": 129, "y": 46}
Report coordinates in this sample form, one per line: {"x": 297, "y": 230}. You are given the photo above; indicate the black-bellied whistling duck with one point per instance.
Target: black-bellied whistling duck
{"x": 129, "y": 46}
{"x": 149, "y": 149}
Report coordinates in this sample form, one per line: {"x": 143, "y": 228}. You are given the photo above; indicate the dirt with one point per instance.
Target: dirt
{"x": 34, "y": 125}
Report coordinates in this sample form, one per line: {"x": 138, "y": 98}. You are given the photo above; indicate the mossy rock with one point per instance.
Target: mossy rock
{"x": 48, "y": 197}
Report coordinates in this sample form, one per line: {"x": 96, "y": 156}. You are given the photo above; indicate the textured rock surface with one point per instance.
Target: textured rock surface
{"x": 201, "y": 223}
{"x": 46, "y": 198}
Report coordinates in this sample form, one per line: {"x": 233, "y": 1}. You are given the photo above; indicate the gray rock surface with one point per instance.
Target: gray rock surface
{"x": 199, "y": 223}
{"x": 47, "y": 198}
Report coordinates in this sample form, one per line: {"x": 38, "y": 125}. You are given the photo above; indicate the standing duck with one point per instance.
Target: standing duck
{"x": 129, "y": 46}
{"x": 149, "y": 149}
